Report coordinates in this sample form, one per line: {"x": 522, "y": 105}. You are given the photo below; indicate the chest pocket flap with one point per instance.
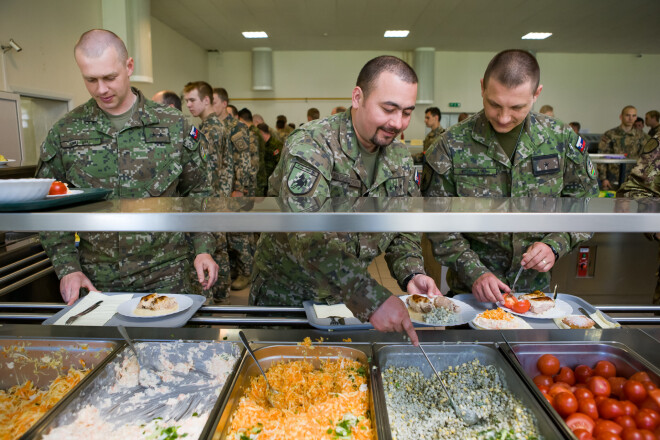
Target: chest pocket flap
{"x": 80, "y": 142}
{"x": 475, "y": 171}
{"x": 157, "y": 135}
{"x": 396, "y": 186}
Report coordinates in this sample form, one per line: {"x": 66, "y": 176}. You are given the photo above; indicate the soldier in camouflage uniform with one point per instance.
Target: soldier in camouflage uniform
{"x": 121, "y": 141}
{"x": 352, "y": 154}
{"x": 240, "y": 246}
{"x": 623, "y": 139}
{"x": 506, "y": 151}
{"x": 198, "y": 98}
{"x": 644, "y": 181}
{"x": 256, "y": 148}
{"x": 432, "y": 118}
{"x": 273, "y": 151}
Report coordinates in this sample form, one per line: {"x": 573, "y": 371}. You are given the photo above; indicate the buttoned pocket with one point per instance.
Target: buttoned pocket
{"x": 478, "y": 182}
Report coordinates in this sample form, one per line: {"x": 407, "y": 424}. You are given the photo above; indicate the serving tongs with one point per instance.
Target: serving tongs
{"x": 469, "y": 418}
{"x": 271, "y": 390}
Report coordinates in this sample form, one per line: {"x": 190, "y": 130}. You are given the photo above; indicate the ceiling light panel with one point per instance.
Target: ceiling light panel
{"x": 259, "y": 34}
{"x": 396, "y": 34}
{"x": 536, "y": 36}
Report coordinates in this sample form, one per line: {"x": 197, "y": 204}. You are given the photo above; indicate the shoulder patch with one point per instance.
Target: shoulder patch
{"x": 580, "y": 144}
{"x": 302, "y": 178}
{"x": 194, "y": 133}
{"x": 591, "y": 169}
{"x": 651, "y": 145}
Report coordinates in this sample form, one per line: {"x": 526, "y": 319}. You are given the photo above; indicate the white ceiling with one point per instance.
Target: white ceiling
{"x": 578, "y": 26}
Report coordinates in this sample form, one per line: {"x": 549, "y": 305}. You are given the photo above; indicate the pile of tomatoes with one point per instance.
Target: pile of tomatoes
{"x": 515, "y": 304}
{"x": 598, "y": 404}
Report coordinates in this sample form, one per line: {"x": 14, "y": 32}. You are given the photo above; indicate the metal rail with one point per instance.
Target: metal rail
{"x": 24, "y": 270}
{"x": 26, "y": 280}
{"x": 25, "y": 260}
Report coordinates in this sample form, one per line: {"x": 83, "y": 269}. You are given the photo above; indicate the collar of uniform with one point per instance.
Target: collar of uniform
{"x": 484, "y": 134}
{"x": 140, "y": 118}
{"x": 350, "y": 145}
{"x": 534, "y": 136}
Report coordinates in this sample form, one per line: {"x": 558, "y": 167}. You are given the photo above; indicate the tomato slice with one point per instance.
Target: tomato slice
{"x": 521, "y": 306}
{"x": 57, "y": 188}
{"x": 510, "y": 301}
{"x": 580, "y": 421}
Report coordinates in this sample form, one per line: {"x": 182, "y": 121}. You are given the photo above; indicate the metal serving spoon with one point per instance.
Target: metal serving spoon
{"x": 271, "y": 390}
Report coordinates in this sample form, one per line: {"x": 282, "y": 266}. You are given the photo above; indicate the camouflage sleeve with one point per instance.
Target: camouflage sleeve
{"x": 194, "y": 182}
{"x": 604, "y": 147}
{"x": 240, "y": 147}
{"x": 450, "y": 249}
{"x": 404, "y": 256}
{"x": 59, "y": 246}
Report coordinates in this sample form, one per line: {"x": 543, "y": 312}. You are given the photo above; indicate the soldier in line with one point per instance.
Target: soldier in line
{"x": 620, "y": 140}
{"x": 272, "y": 154}
{"x": 644, "y": 181}
{"x": 506, "y": 151}
{"x": 257, "y": 145}
{"x": 283, "y": 130}
{"x": 240, "y": 246}
{"x": 198, "y": 97}
{"x": 168, "y": 98}
{"x": 350, "y": 154}
{"x": 120, "y": 141}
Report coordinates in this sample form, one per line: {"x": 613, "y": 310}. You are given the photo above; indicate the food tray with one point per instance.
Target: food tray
{"x": 572, "y": 300}
{"x": 324, "y": 323}
{"x": 444, "y": 356}
{"x": 120, "y": 401}
{"x": 572, "y": 354}
{"x": 87, "y": 195}
{"x": 19, "y": 356}
{"x": 178, "y": 319}
{"x": 271, "y": 354}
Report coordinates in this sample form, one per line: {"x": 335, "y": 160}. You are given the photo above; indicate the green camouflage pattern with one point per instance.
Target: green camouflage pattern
{"x": 274, "y": 149}
{"x": 332, "y": 266}
{"x": 617, "y": 141}
{"x": 644, "y": 179}
{"x": 468, "y": 161}
{"x": 259, "y": 162}
{"x": 153, "y": 155}
{"x": 283, "y": 133}
{"x": 241, "y": 252}
{"x": 432, "y": 137}
{"x": 239, "y": 146}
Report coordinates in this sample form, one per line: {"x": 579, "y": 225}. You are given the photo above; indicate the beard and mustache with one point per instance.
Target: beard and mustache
{"x": 380, "y": 142}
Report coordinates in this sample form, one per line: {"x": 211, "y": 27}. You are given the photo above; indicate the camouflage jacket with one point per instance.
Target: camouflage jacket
{"x": 432, "y": 137}
{"x": 644, "y": 179}
{"x": 156, "y": 154}
{"x": 273, "y": 149}
{"x": 617, "y": 141}
{"x": 550, "y": 161}
{"x": 220, "y": 161}
{"x": 238, "y": 138}
{"x": 258, "y": 160}
{"x": 322, "y": 159}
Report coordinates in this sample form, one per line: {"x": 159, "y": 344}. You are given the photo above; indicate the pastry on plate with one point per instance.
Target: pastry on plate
{"x": 578, "y": 321}
{"x": 539, "y": 302}
{"x": 420, "y": 303}
{"x": 155, "y": 305}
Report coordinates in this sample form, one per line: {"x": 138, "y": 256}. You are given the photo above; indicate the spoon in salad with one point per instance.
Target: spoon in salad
{"x": 271, "y": 390}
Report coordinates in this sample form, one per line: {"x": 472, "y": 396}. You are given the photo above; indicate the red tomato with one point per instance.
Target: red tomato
{"x": 606, "y": 426}
{"x": 588, "y": 407}
{"x": 629, "y": 408}
{"x": 631, "y": 434}
{"x": 650, "y": 404}
{"x": 649, "y": 385}
{"x": 616, "y": 383}
{"x": 605, "y": 369}
{"x": 640, "y": 376}
{"x": 655, "y": 396}
{"x": 56, "y": 188}
{"x": 647, "y": 419}
{"x": 550, "y": 399}
{"x": 582, "y": 373}
{"x": 544, "y": 389}
{"x": 566, "y": 404}
{"x": 634, "y": 391}
{"x": 626, "y": 422}
{"x": 548, "y": 365}
{"x": 565, "y": 375}
{"x": 521, "y": 306}
{"x": 610, "y": 409}
{"x": 543, "y": 380}
{"x": 580, "y": 421}
{"x": 599, "y": 399}
{"x": 583, "y": 434}
{"x": 559, "y": 387}
{"x": 599, "y": 386}
{"x": 583, "y": 393}
{"x": 608, "y": 436}
{"x": 646, "y": 434}
{"x": 510, "y": 301}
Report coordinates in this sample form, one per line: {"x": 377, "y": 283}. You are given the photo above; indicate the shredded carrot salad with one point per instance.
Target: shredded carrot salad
{"x": 22, "y": 405}
{"x": 329, "y": 402}
{"x": 497, "y": 314}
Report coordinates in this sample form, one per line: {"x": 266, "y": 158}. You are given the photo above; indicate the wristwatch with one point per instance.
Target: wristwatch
{"x": 406, "y": 280}
{"x": 554, "y": 252}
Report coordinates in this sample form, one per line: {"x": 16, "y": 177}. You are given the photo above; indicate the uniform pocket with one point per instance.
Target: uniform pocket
{"x": 479, "y": 182}
{"x": 165, "y": 180}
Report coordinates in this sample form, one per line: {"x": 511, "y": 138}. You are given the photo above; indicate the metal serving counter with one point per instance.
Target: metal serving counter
{"x": 456, "y": 214}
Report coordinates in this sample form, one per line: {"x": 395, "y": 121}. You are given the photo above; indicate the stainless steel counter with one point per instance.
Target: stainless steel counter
{"x": 464, "y": 214}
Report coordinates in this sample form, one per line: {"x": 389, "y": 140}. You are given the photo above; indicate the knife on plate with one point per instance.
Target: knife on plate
{"x": 84, "y": 312}
{"x": 584, "y": 312}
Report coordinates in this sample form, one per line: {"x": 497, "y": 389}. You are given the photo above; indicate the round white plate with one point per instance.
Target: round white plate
{"x": 4, "y": 163}
{"x": 561, "y": 309}
{"x": 517, "y": 323}
{"x": 70, "y": 193}
{"x": 128, "y": 308}
{"x": 466, "y": 313}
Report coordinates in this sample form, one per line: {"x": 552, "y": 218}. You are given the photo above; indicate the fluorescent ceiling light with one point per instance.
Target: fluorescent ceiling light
{"x": 536, "y": 36}
{"x": 260, "y": 34}
{"x": 396, "y": 34}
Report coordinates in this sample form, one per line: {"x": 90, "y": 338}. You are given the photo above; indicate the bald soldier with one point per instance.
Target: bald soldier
{"x": 506, "y": 150}
{"x": 120, "y": 141}
{"x": 350, "y": 154}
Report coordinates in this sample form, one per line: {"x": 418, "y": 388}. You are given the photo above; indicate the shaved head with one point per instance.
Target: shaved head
{"x": 93, "y": 43}
{"x": 512, "y": 68}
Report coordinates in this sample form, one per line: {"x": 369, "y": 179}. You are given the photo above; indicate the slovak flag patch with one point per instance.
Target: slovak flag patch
{"x": 580, "y": 145}
{"x": 418, "y": 178}
{"x": 194, "y": 133}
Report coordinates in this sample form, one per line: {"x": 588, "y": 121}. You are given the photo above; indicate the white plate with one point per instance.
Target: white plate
{"x": 23, "y": 190}
{"x": 128, "y": 308}
{"x": 466, "y": 313}
{"x": 70, "y": 193}
{"x": 4, "y": 163}
{"x": 561, "y": 309}
{"x": 517, "y": 323}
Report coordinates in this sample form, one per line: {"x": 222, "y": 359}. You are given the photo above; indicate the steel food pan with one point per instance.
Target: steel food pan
{"x": 271, "y": 354}
{"x": 41, "y": 361}
{"x": 572, "y": 354}
{"x": 179, "y": 385}
{"x": 443, "y": 357}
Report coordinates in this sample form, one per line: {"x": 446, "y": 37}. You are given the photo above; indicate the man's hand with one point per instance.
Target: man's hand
{"x": 423, "y": 285}
{"x": 392, "y": 316}
{"x": 236, "y": 194}
{"x": 70, "y": 285}
{"x": 605, "y": 185}
{"x": 487, "y": 288}
{"x": 205, "y": 263}
{"x": 539, "y": 256}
